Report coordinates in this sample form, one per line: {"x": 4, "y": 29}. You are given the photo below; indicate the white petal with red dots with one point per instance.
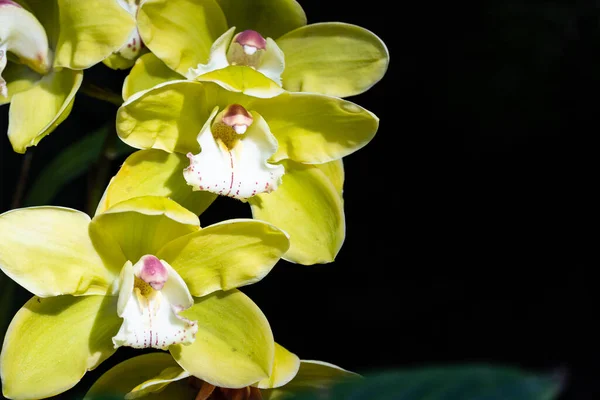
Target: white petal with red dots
{"x": 151, "y": 296}
{"x": 239, "y": 172}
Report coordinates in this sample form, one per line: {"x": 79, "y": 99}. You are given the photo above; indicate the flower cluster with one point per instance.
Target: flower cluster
{"x": 236, "y": 98}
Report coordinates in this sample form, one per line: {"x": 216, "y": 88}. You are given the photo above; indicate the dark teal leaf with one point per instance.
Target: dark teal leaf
{"x": 471, "y": 382}
{"x": 70, "y": 164}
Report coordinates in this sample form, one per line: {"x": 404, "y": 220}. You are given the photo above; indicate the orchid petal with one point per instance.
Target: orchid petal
{"x": 36, "y": 112}
{"x": 309, "y": 128}
{"x": 19, "y": 78}
{"x": 217, "y": 58}
{"x": 24, "y": 37}
{"x": 270, "y": 18}
{"x": 181, "y": 32}
{"x": 308, "y": 207}
{"x": 147, "y": 72}
{"x": 240, "y": 170}
{"x": 312, "y": 375}
{"x": 335, "y": 172}
{"x": 313, "y": 128}
{"x": 285, "y": 368}
{"x": 47, "y": 13}
{"x": 243, "y": 79}
{"x": 91, "y": 30}
{"x": 234, "y": 345}
{"x": 142, "y": 225}
{"x": 226, "y": 255}
{"x": 154, "y": 173}
{"x": 154, "y": 370}
{"x": 151, "y": 314}
{"x": 51, "y": 343}
{"x": 167, "y": 117}
{"x": 333, "y": 58}
{"x": 55, "y": 252}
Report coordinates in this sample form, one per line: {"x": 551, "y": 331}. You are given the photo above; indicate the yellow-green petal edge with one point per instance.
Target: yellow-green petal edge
{"x": 48, "y": 251}
{"x": 313, "y": 375}
{"x": 308, "y": 207}
{"x": 147, "y": 72}
{"x": 51, "y": 343}
{"x": 143, "y": 225}
{"x": 267, "y": 17}
{"x": 36, "y": 112}
{"x": 234, "y": 346}
{"x": 126, "y": 379}
{"x": 154, "y": 173}
{"x": 181, "y": 32}
{"x": 91, "y": 30}
{"x": 231, "y": 254}
{"x": 333, "y": 58}
{"x": 285, "y": 368}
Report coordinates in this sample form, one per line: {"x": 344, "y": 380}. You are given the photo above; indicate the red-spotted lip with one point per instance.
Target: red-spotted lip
{"x": 251, "y": 38}
{"x": 236, "y": 114}
{"x": 9, "y": 3}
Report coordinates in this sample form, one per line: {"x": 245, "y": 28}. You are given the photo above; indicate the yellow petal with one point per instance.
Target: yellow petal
{"x": 310, "y": 128}
{"x": 226, "y": 255}
{"x": 268, "y": 17}
{"x": 154, "y": 173}
{"x": 181, "y": 32}
{"x": 285, "y": 368}
{"x": 243, "y": 79}
{"x": 335, "y": 172}
{"x": 51, "y": 343}
{"x": 312, "y": 375}
{"x": 48, "y": 251}
{"x": 36, "y": 112}
{"x": 90, "y": 31}
{"x": 142, "y": 225}
{"x": 147, "y": 72}
{"x": 234, "y": 345}
{"x": 143, "y": 376}
{"x": 308, "y": 207}
{"x": 167, "y": 117}
{"x": 313, "y": 128}
{"x": 333, "y": 58}
{"x": 19, "y": 78}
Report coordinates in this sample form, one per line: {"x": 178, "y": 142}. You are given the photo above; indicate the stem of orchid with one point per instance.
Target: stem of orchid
{"x": 22, "y": 182}
{"x": 101, "y": 94}
{"x": 99, "y": 174}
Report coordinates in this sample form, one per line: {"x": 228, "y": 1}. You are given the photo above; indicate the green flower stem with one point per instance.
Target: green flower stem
{"x": 22, "y": 182}
{"x": 101, "y": 94}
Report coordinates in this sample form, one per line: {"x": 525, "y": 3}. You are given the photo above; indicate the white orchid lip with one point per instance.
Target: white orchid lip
{"x": 236, "y": 145}
{"x": 151, "y": 296}
{"x": 22, "y": 35}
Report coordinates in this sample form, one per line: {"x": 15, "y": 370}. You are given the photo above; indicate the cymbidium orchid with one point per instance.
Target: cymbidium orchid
{"x": 40, "y": 94}
{"x": 142, "y": 274}
{"x": 258, "y": 47}
{"x": 281, "y": 154}
{"x": 158, "y": 376}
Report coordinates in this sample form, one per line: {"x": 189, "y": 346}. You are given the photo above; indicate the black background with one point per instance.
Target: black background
{"x": 469, "y": 215}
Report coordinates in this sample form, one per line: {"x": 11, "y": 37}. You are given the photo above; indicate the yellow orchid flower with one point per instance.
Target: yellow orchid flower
{"x": 142, "y": 274}
{"x": 273, "y": 50}
{"x": 281, "y": 154}
{"x": 40, "y": 95}
{"x": 162, "y": 378}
